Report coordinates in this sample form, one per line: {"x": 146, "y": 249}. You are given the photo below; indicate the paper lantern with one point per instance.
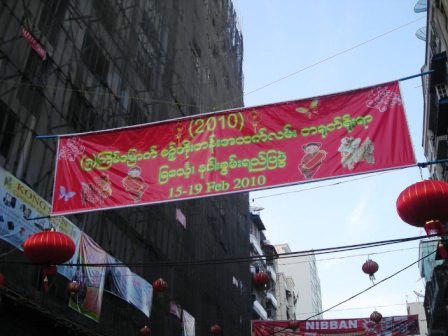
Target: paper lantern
{"x": 73, "y": 287}
{"x": 159, "y": 285}
{"x": 260, "y": 279}
{"x": 2, "y": 279}
{"x": 370, "y": 267}
{"x": 49, "y": 248}
{"x": 376, "y": 317}
{"x": 293, "y": 325}
{"x": 423, "y": 202}
{"x": 215, "y": 329}
{"x": 145, "y": 331}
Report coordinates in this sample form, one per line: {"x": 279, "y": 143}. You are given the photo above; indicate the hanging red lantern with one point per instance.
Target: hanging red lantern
{"x": 293, "y": 325}
{"x": 370, "y": 267}
{"x": 215, "y": 329}
{"x": 2, "y": 279}
{"x": 424, "y": 202}
{"x": 376, "y": 317}
{"x": 159, "y": 285}
{"x": 145, "y": 331}
{"x": 73, "y": 287}
{"x": 48, "y": 248}
{"x": 260, "y": 279}
{"x": 49, "y": 270}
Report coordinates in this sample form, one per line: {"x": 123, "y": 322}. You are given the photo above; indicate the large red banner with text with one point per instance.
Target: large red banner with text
{"x": 391, "y": 326}
{"x": 232, "y": 151}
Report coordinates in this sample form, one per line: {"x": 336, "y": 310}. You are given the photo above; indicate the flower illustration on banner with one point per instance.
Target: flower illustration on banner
{"x": 71, "y": 149}
{"x": 134, "y": 184}
{"x": 381, "y": 98}
{"x": 312, "y": 160}
{"x": 353, "y": 151}
{"x": 65, "y": 194}
{"x": 309, "y": 111}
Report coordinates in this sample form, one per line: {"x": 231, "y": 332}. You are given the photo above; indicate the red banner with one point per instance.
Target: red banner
{"x": 233, "y": 151}
{"x": 392, "y": 326}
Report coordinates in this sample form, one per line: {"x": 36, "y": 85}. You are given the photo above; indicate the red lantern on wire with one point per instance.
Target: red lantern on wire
{"x": 159, "y": 285}
{"x": 2, "y": 280}
{"x": 216, "y": 329}
{"x": 260, "y": 279}
{"x": 425, "y": 203}
{"x": 370, "y": 267}
{"x": 293, "y": 325}
{"x": 376, "y": 317}
{"x": 145, "y": 331}
{"x": 48, "y": 248}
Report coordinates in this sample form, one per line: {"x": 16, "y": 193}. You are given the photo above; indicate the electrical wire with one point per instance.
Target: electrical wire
{"x": 246, "y": 259}
{"x": 374, "y": 285}
{"x": 324, "y": 186}
{"x": 137, "y": 98}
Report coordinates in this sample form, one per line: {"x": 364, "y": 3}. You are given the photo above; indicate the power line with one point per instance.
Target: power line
{"x": 374, "y": 285}
{"x": 246, "y": 259}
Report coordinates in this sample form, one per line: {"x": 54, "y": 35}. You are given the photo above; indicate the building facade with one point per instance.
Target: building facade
{"x": 435, "y": 144}
{"x": 71, "y": 66}
{"x": 303, "y": 271}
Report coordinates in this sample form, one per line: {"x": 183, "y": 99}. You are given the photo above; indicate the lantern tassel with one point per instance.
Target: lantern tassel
{"x": 372, "y": 278}
{"x": 45, "y": 284}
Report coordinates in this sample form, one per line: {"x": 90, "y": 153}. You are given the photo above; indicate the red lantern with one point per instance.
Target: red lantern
{"x": 2, "y": 279}
{"x": 423, "y": 202}
{"x": 73, "y": 287}
{"x": 293, "y": 325}
{"x": 49, "y": 248}
{"x": 145, "y": 331}
{"x": 49, "y": 270}
{"x": 159, "y": 285}
{"x": 376, "y": 317}
{"x": 260, "y": 279}
{"x": 215, "y": 329}
{"x": 370, "y": 267}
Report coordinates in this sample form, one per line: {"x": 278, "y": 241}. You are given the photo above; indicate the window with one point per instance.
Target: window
{"x": 8, "y": 123}
{"x": 80, "y": 114}
{"x": 93, "y": 57}
{"x": 51, "y": 18}
{"x": 106, "y": 14}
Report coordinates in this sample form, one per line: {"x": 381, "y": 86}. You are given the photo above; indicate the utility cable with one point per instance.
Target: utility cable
{"x": 374, "y": 285}
{"x": 246, "y": 259}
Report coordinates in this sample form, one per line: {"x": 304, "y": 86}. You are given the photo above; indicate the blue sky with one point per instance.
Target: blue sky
{"x": 296, "y": 49}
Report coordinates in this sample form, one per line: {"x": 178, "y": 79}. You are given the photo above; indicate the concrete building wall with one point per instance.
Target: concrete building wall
{"x": 417, "y": 308}
{"x": 303, "y": 271}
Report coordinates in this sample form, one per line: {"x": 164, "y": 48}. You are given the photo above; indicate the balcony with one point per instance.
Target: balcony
{"x": 436, "y": 300}
{"x": 255, "y": 244}
{"x": 272, "y": 298}
{"x": 272, "y": 273}
{"x": 259, "y": 309}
